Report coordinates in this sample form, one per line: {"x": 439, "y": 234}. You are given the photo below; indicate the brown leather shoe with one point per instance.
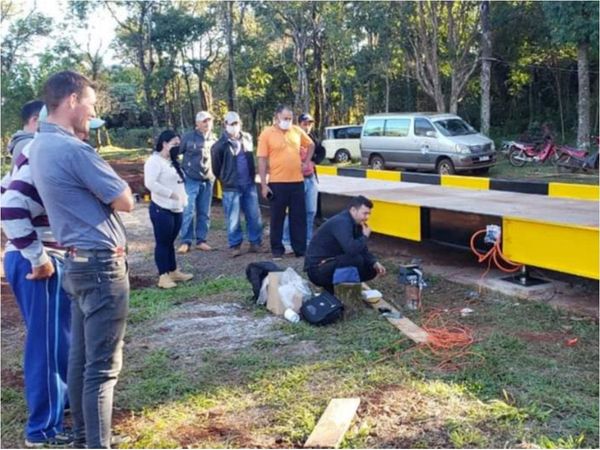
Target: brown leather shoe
{"x": 236, "y": 251}
{"x": 165, "y": 282}
{"x": 204, "y": 247}
{"x": 255, "y": 248}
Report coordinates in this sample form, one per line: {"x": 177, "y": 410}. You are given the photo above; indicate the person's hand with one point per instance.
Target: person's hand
{"x": 379, "y": 268}
{"x": 174, "y": 196}
{"x": 366, "y": 230}
{"x": 265, "y": 191}
{"x": 41, "y": 272}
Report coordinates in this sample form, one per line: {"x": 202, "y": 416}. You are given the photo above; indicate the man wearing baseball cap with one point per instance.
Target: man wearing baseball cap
{"x": 199, "y": 180}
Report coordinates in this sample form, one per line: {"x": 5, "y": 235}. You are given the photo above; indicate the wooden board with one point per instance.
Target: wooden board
{"x": 407, "y": 326}
{"x": 333, "y": 424}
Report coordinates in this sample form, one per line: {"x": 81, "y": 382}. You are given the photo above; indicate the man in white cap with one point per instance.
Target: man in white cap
{"x": 233, "y": 165}
{"x": 199, "y": 180}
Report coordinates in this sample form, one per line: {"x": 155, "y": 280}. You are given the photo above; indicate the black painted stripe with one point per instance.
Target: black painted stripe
{"x": 524, "y": 187}
{"x": 423, "y": 178}
{"x": 347, "y": 172}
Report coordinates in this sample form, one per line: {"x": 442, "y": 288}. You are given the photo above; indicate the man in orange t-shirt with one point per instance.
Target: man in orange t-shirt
{"x": 279, "y": 153}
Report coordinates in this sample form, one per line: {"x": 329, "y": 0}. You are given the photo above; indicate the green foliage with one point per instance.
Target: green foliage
{"x": 131, "y": 137}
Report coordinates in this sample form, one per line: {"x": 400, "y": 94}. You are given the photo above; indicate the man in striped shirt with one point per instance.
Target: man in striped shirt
{"x": 33, "y": 268}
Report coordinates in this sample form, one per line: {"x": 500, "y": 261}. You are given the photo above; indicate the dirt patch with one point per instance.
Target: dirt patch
{"x": 12, "y": 378}
{"x": 138, "y": 282}
{"x": 11, "y": 316}
{"x": 531, "y": 336}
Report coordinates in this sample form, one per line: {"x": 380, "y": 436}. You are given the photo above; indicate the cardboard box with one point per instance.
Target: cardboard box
{"x": 274, "y": 303}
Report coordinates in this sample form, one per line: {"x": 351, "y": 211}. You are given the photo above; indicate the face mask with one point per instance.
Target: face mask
{"x": 285, "y": 124}
{"x": 174, "y": 152}
{"x": 233, "y": 130}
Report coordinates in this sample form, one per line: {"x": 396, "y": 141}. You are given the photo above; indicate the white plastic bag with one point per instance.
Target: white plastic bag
{"x": 290, "y": 277}
{"x": 263, "y": 294}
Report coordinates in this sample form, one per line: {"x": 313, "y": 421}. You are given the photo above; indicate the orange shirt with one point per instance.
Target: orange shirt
{"x": 282, "y": 148}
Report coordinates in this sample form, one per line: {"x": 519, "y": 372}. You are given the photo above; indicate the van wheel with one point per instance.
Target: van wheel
{"x": 342, "y": 156}
{"x": 445, "y": 167}
{"x": 377, "y": 163}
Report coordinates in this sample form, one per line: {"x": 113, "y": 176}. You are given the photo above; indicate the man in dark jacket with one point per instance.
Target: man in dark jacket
{"x": 199, "y": 180}
{"x": 29, "y": 115}
{"x": 342, "y": 242}
{"x": 233, "y": 165}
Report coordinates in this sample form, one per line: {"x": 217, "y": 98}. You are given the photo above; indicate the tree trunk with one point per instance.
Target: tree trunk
{"x": 231, "y": 82}
{"x": 583, "y": 105}
{"x": 486, "y": 54}
{"x": 387, "y": 92}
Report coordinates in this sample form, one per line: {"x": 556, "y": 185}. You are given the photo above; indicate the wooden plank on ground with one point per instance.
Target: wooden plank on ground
{"x": 333, "y": 424}
{"x": 405, "y": 325}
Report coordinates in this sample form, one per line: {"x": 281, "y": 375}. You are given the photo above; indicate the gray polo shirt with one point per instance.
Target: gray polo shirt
{"x": 77, "y": 187}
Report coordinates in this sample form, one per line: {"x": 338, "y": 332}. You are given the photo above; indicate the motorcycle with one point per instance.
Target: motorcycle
{"x": 573, "y": 160}
{"x": 520, "y": 153}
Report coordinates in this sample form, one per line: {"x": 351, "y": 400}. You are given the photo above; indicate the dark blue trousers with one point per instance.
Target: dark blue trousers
{"x": 166, "y": 225}
{"x": 45, "y": 308}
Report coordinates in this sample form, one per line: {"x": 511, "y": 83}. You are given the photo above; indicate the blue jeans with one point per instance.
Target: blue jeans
{"x": 199, "y": 194}
{"x": 166, "y": 225}
{"x": 45, "y": 308}
{"x": 99, "y": 290}
{"x": 245, "y": 200}
{"x": 311, "y": 195}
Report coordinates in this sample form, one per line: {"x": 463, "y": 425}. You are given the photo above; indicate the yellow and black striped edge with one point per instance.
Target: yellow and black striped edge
{"x": 550, "y": 189}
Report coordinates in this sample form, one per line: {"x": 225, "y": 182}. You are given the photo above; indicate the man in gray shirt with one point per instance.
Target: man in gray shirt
{"x": 29, "y": 115}
{"x": 82, "y": 195}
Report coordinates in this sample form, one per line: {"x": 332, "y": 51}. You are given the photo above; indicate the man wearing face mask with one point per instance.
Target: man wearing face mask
{"x": 199, "y": 179}
{"x": 279, "y": 154}
{"x": 233, "y": 165}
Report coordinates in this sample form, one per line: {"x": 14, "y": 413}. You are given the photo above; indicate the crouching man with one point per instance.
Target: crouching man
{"x": 342, "y": 242}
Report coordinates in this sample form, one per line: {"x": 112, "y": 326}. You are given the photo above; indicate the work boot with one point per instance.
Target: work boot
{"x": 255, "y": 248}
{"x": 176, "y": 275}
{"x": 204, "y": 247}
{"x": 236, "y": 251}
{"x": 183, "y": 248}
{"x": 165, "y": 281}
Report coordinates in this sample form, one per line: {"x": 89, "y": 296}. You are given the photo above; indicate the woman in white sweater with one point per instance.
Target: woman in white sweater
{"x": 164, "y": 179}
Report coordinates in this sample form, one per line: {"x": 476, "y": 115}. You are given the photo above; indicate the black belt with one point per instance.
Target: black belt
{"x": 95, "y": 253}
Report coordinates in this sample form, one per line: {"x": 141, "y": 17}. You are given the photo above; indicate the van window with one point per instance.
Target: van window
{"x": 397, "y": 127}
{"x": 373, "y": 128}
{"x": 354, "y": 132}
{"x": 422, "y": 126}
{"x": 454, "y": 127}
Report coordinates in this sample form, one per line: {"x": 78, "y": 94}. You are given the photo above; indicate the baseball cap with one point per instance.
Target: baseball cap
{"x": 94, "y": 123}
{"x": 304, "y": 117}
{"x": 232, "y": 117}
{"x": 203, "y": 115}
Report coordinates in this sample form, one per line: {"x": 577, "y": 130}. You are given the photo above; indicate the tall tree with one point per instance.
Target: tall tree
{"x": 486, "y": 66}
{"x": 577, "y": 23}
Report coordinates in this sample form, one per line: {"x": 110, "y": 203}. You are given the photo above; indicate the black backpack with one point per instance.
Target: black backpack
{"x": 256, "y": 273}
{"x": 322, "y": 309}
{"x": 319, "y": 153}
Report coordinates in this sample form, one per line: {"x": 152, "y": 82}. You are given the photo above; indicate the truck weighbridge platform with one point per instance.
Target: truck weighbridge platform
{"x": 552, "y": 233}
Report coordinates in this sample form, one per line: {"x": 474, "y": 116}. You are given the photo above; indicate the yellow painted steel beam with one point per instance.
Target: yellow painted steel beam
{"x": 465, "y": 182}
{"x": 387, "y": 175}
{"x": 396, "y": 219}
{"x": 577, "y": 191}
{"x": 565, "y": 248}
{"x": 327, "y": 170}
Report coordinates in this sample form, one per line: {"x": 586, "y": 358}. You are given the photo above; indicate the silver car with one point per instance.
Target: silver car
{"x": 443, "y": 143}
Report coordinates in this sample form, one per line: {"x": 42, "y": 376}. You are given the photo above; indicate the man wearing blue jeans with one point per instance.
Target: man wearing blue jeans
{"x": 233, "y": 165}
{"x": 199, "y": 179}
{"x": 82, "y": 195}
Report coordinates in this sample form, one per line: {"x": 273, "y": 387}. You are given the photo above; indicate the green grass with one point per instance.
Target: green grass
{"x": 111, "y": 153}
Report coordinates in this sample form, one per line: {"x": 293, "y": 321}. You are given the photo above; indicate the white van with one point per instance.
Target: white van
{"x": 342, "y": 143}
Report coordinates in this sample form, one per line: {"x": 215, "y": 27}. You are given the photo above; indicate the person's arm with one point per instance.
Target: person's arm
{"x": 151, "y": 175}
{"x": 124, "y": 202}
{"x": 344, "y": 235}
{"x": 262, "y": 172}
{"x": 216, "y": 158}
{"x": 308, "y": 144}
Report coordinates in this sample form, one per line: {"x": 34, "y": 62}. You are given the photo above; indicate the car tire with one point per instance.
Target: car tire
{"x": 445, "y": 167}
{"x": 377, "y": 163}
{"x": 342, "y": 156}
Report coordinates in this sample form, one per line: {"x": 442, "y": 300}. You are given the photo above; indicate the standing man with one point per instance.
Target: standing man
{"x": 233, "y": 165}
{"x": 279, "y": 153}
{"x": 34, "y": 270}
{"x": 82, "y": 195}
{"x": 199, "y": 179}
{"x": 311, "y": 186}
{"x": 29, "y": 115}
{"x": 342, "y": 242}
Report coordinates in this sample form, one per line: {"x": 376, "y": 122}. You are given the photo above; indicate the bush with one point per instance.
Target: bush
{"x": 131, "y": 137}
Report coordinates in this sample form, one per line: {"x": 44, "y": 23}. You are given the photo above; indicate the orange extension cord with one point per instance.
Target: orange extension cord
{"x": 494, "y": 255}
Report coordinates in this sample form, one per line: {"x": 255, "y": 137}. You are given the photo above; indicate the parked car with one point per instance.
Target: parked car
{"x": 342, "y": 143}
{"x": 444, "y": 143}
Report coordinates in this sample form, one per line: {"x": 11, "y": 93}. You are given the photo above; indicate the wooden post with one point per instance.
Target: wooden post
{"x": 350, "y": 294}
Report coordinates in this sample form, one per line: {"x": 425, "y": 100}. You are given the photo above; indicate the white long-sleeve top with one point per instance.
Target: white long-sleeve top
{"x": 161, "y": 179}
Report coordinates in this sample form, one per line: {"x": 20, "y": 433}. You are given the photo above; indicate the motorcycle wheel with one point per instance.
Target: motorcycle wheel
{"x": 563, "y": 164}
{"x": 513, "y": 156}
